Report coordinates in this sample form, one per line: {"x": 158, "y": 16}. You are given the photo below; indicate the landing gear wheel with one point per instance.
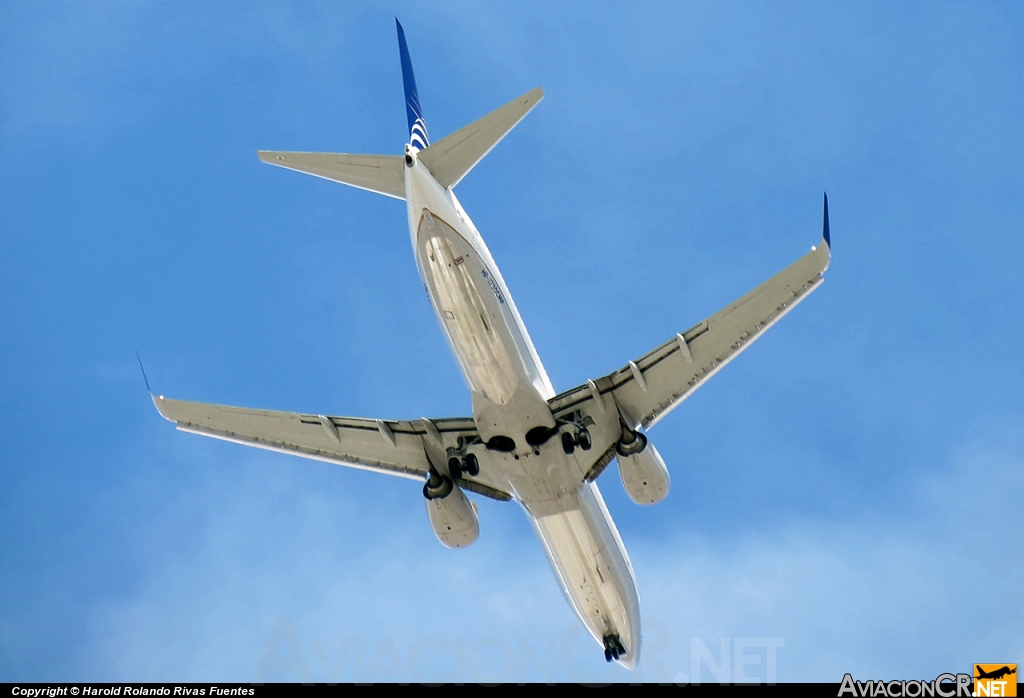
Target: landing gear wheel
{"x": 455, "y": 467}
{"x": 471, "y": 465}
{"x": 613, "y": 648}
{"x": 583, "y": 439}
{"x": 568, "y": 443}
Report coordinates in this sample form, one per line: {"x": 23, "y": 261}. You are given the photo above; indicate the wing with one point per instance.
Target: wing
{"x": 645, "y": 390}
{"x": 405, "y": 449}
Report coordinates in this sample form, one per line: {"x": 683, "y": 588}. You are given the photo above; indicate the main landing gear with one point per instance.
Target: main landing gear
{"x": 468, "y": 465}
{"x": 581, "y": 439}
{"x": 613, "y": 648}
{"x": 579, "y": 436}
{"x": 460, "y": 461}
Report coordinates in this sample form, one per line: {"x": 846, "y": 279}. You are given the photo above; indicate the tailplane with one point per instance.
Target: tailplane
{"x": 384, "y": 174}
{"x": 449, "y": 160}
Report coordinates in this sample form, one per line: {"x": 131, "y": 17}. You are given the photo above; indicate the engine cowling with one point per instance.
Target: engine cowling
{"x": 453, "y": 518}
{"x": 644, "y": 475}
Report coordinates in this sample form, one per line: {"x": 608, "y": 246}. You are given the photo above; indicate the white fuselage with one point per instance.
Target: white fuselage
{"x": 510, "y": 390}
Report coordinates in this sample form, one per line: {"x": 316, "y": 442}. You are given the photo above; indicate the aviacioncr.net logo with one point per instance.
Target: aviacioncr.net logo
{"x": 943, "y": 686}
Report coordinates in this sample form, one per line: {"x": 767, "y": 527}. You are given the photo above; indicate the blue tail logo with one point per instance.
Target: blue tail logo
{"x": 417, "y": 127}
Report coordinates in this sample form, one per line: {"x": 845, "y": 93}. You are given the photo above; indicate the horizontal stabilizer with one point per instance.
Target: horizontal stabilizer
{"x": 449, "y": 159}
{"x": 384, "y": 174}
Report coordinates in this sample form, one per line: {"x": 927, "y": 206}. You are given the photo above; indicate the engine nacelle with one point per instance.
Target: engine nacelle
{"x": 453, "y": 518}
{"x": 643, "y": 472}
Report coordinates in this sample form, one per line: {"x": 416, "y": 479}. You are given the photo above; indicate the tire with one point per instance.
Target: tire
{"x": 584, "y": 440}
{"x": 455, "y": 467}
{"x": 568, "y": 443}
{"x": 472, "y": 465}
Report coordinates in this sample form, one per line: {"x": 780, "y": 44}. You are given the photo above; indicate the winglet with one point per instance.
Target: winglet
{"x": 824, "y": 226}
{"x": 143, "y": 372}
{"x": 158, "y": 400}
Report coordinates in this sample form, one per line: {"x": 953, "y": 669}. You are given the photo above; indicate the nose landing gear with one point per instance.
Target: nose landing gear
{"x": 613, "y": 648}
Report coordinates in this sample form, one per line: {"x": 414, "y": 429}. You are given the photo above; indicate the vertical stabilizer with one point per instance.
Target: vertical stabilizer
{"x": 417, "y": 127}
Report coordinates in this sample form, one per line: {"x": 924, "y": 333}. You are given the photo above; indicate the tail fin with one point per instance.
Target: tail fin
{"x": 418, "y": 138}
{"x": 448, "y": 160}
{"x": 452, "y": 157}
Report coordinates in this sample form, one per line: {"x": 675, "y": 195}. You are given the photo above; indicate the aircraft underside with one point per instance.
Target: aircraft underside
{"x": 510, "y": 390}
{"x": 523, "y": 442}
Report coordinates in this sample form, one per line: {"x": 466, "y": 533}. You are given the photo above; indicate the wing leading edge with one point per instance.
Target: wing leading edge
{"x": 647, "y": 389}
{"x": 403, "y": 448}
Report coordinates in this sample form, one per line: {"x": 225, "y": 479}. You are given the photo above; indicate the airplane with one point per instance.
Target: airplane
{"x": 995, "y": 674}
{"x": 524, "y": 442}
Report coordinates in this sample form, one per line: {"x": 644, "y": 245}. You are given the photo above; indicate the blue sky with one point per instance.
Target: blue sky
{"x": 846, "y": 495}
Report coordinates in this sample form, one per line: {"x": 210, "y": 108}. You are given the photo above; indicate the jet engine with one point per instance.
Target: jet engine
{"x": 451, "y": 514}
{"x": 643, "y": 472}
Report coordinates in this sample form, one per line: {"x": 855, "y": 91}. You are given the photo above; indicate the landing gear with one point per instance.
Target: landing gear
{"x": 613, "y": 648}
{"x": 580, "y": 435}
{"x": 568, "y": 443}
{"x": 461, "y": 461}
{"x": 581, "y": 439}
{"x": 471, "y": 465}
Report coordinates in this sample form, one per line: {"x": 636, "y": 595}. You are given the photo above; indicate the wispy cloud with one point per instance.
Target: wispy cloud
{"x": 347, "y": 590}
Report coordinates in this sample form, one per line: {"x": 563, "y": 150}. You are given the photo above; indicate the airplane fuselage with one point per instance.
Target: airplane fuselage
{"x": 510, "y": 390}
